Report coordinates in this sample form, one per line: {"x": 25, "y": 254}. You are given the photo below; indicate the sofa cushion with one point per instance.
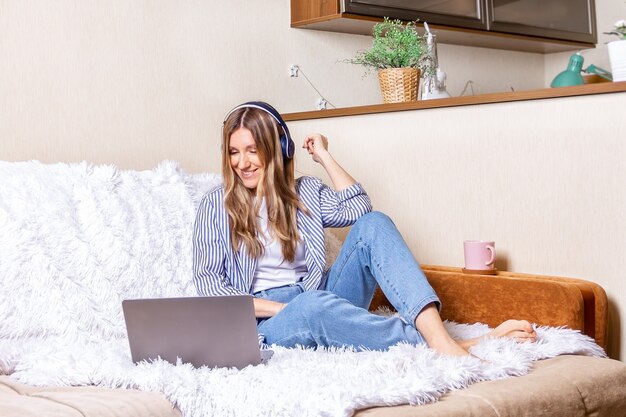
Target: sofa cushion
{"x": 28, "y": 401}
{"x": 567, "y": 386}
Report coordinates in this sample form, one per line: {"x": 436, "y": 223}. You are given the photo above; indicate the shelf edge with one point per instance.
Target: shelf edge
{"x": 544, "y": 93}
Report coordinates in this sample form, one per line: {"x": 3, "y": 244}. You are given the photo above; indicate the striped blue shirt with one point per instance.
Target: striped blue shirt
{"x": 218, "y": 270}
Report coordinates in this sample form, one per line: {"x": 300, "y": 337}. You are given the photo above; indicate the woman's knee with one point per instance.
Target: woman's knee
{"x": 313, "y": 302}
{"x": 374, "y": 222}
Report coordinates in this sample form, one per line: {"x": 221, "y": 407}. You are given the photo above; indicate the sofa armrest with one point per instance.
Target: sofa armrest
{"x": 491, "y": 299}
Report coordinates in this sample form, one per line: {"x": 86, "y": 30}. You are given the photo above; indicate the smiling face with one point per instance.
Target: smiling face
{"x": 244, "y": 158}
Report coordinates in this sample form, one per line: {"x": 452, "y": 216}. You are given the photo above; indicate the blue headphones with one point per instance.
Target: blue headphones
{"x": 286, "y": 143}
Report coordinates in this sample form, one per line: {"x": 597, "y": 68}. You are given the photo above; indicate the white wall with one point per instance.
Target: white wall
{"x": 133, "y": 82}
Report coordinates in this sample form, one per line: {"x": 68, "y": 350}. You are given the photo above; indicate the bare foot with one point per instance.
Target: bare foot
{"x": 519, "y": 330}
{"x": 429, "y": 324}
{"x": 448, "y": 346}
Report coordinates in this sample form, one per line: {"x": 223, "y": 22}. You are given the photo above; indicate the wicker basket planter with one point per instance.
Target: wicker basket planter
{"x": 399, "y": 84}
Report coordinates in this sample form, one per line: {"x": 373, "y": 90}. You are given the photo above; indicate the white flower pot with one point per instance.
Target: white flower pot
{"x": 617, "y": 56}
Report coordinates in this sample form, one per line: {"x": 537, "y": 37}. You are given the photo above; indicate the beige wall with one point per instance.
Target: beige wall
{"x": 134, "y": 82}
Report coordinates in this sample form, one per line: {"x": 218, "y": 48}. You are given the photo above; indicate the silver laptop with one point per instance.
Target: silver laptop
{"x": 213, "y": 331}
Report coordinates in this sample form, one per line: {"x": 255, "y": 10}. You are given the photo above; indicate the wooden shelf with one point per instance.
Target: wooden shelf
{"x": 545, "y": 93}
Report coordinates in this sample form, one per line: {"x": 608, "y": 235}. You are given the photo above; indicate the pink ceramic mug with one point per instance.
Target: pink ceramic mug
{"x": 479, "y": 254}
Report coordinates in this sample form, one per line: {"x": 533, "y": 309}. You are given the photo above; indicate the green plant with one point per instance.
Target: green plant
{"x": 395, "y": 46}
{"x": 620, "y": 29}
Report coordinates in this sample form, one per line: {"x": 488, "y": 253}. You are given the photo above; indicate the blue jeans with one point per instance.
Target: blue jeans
{"x": 374, "y": 253}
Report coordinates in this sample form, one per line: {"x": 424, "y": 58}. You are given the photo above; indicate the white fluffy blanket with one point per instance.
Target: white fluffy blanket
{"x": 76, "y": 239}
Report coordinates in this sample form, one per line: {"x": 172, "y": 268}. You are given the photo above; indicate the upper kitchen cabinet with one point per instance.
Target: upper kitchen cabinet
{"x": 461, "y": 13}
{"x": 543, "y": 26}
{"x": 573, "y": 20}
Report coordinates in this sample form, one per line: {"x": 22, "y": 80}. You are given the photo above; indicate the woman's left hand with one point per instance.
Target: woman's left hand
{"x": 316, "y": 145}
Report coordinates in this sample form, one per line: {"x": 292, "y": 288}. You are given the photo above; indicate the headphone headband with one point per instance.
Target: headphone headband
{"x": 286, "y": 143}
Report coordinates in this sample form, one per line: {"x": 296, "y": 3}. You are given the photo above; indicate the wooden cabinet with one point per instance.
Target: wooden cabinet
{"x": 572, "y": 20}
{"x": 543, "y": 26}
{"x": 460, "y": 13}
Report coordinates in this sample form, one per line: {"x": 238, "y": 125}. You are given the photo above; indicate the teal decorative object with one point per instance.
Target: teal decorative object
{"x": 572, "y": 75}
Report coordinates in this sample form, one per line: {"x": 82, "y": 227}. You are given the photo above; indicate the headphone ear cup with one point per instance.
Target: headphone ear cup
{"x": 287, "y": 146}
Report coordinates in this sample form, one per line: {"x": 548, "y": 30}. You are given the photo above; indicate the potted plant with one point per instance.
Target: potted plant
{"x": 617, "y": 51}
{"x": 399, "y": 54}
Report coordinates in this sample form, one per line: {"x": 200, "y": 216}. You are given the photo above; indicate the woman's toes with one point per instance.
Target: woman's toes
{"x": 520, "y": 330}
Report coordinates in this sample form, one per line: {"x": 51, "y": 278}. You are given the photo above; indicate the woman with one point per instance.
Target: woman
{"x": 262, "y": 233}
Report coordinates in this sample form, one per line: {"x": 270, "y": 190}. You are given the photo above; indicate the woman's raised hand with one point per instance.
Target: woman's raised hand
{"x": 316, "y": 144}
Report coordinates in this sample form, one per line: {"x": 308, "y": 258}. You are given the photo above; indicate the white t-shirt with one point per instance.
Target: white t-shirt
{"x": 272, "y": 270}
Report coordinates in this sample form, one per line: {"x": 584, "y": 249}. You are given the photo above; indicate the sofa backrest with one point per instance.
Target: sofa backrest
{"x": 77, "y": 239}
{"x": 545, "y": 300}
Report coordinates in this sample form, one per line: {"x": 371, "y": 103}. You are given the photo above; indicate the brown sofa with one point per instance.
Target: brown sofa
{"x": 568, "y": 386}
{"x": 125, "y": 209}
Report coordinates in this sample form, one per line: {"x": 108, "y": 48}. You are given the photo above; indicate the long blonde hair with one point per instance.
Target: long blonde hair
{"x": 276, "y": 185}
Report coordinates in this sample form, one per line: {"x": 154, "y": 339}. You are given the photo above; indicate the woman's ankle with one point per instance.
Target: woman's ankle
{"x": 448, "y": 347}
